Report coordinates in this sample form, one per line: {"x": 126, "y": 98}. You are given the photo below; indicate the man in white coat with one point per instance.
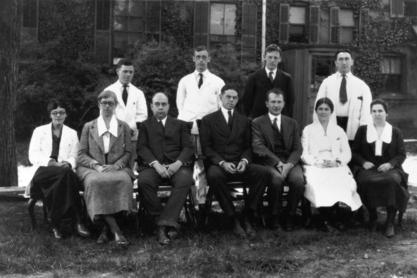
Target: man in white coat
{"x": 131, "y": 107}
{"x": 197, "y": 96}
{"x": 351, "y": 96}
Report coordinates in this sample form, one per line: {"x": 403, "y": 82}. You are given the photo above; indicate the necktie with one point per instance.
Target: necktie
{"x": 161, "y": 126}
{"x": 275, "y": 124}
{"x": 342, "y": 91}
{"x": 200, "y": 81}
{"x": 124, "y": 93}
{"x": 271, "y": 76}
{"x": 230, "y": 120}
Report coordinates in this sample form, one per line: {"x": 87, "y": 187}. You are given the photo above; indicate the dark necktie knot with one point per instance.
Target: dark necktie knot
{"x": 200, "y": 80}
{"x": 124, "y": 93}
{"x": 275, "y": 124}
{"x": 271, "y": 76}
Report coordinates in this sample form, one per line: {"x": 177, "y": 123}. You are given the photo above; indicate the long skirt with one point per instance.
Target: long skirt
{"x": 327, "y": 186}
{"x": 107, "y": 193}
{"x": 58, "y": 187}
{"x": 382, "y": 189}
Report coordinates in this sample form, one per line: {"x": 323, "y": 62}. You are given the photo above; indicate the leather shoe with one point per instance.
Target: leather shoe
{"x": 57, "y": 233}
{"x": 238, "y": 231}
{"x": 389, "y": 231}
{"x": 121, "y": 240}
{"x": 172, "y": 233}
{"x": 162, "y": 237}
{"x": 250, "y": 231}
{"x": 103, "y": 238}
{"x": 82, "y": 230}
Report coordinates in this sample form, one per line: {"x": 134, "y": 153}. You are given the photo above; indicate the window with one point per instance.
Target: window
{"x": 297, "y": 21}
{"x": 390, "y": 68}
{"x": 410, "y": 7}
{"x": 342, "y": 25}
{"x": 30, "y": 11}
{"x": 223, "y": 19}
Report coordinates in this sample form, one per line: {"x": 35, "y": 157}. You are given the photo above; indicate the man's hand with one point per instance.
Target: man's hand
{"x": 99, "y": 168}
{"x": 286, "y": 168}
{"x": 385, "y": 167}
{"x": 241, "y": 167}
{"x": 161, "y": 170}
{"x": 229, "y": 167}
{"x": 368, "y": 165}
{"x": 110, "y": 168}
{"x": 173, "y": 167}
{"x": 52, "y": 162}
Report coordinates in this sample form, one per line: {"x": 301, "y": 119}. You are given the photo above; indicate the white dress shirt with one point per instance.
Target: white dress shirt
{"x": 274, "y": 72}
{"x": 278, "y": 117}
{"x": 135, "y": 110}
{"x": 357, "y": 108}
{"x": 225, "y": 113}
{"x": 194, "y": 103}
{"x": 103, "y": 131}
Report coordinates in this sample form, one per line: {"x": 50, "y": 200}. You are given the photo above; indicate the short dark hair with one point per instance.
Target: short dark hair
{"x": 342, "y": 50}
{"x": 107, "y": 94}
{"x": 228, "y": 87}
{"x": 273, "y": 47}
{"x": 160, "y": 92}
{"x": 124, "y": 62}
{"x": 382, "y": 102}
{"x": 54, "y": 104}
{"x": 200, "y": 48}
{"x": 324, "y": 100}
{"x": 275, "y": 91}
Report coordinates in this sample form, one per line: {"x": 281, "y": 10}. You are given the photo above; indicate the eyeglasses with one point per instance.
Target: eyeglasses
{"x": 58, "y": 113}
{"x": 109, "y": 103}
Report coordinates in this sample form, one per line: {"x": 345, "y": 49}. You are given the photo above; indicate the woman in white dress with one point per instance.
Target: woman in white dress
{"x": 326, "y": 153}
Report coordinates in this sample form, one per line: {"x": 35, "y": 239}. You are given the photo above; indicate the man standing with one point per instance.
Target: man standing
{"x": 225, "y": 139}
{"x": 350, "y": 95}
{"x": 165, "y": 152}
{"x": 198, "y": 95}
{"x": 131, "y": 107}
{"x": 276, "y": 141}
{"x": 265, "y": 79}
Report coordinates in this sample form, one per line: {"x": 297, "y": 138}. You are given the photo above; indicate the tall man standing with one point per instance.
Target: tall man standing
{"x": 350, "y": 95}
{"x": 165, "y": 151}
{"x": 276, "y": 141}
{"x": 198, "y": 95}
{"x": 226, "y": 142}
{"x": 131, "y": 107}
{"x": 263, "y": 80}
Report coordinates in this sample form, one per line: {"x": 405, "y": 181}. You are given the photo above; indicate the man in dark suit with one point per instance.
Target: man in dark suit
{"x": 263, "y": 80}
{"x": 276, "y": 142}
{"x": 165, "y": 152}
{"x": 225, "y": 139}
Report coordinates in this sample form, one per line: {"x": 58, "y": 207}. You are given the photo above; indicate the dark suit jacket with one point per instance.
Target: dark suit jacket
{"x": 168, "y": 146}
{"x": 220, "y": 143}
{"x": 263, "y": 140}
{"x": 258, "y": 84}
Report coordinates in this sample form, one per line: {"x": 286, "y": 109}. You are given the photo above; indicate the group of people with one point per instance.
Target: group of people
{"x": 349, "y": 155}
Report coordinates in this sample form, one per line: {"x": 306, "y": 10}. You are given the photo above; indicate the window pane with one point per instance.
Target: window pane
{"x": 136, "y": 7}
{"x": 346, "y": 18}
{"x": 120, "y": 41}
{"x": 217, "y": 19}
{"x": 103, "y": 14}
{"x": 410, "y": 8}
{"x": 395, "y": 65}
{"x": 346, "y": 35}
{"x": 384, "y": 65}
{"x": 297, "y": 33}
{"x": 121, "y": 7}
{"x": 297, "y": 15}
{"x": 120, "y": 23}
{"x": 230, "y": 19}
{"x": 29, "y": 13}
{"x": 136, "y": 25}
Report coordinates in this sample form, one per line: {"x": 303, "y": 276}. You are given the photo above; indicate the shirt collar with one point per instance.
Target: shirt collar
{"x": 197, "y": 73}
{"x": 225, "y": 112}
{"x": 274, "y": 71}
{"x": 121, "y": 84}
{"x": 101, "y": 126}
{"x": 271, "y": 117}
{"x": 339, "y": 75}
{"x": 372, "y": 135}
{"x": 164, "y": 120}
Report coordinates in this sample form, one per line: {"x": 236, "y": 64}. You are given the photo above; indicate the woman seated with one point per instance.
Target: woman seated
{"x": 103, "y": 160}
{"x": 378, "y": 152}
{"x": 53, "y": 148}
{"x": 325, "y": 155}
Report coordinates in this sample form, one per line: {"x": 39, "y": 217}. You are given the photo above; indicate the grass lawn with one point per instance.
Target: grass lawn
{"x": 216, "y": 253}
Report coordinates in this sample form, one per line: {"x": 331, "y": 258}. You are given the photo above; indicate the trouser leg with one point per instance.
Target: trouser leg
{"x": 217, "y": 179}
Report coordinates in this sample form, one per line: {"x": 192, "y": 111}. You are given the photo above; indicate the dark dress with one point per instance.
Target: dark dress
{"x": 378, "y": 188}
{"x": 58, "y": 187}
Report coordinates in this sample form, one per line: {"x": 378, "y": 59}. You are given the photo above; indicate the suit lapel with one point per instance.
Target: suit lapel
{"x": 235, "y": 127}
{"x": 285, "y": 132}
{"x": 98, "y": 139}
{"x": 269, "y": 133}
{"x": 113, "y": 139}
